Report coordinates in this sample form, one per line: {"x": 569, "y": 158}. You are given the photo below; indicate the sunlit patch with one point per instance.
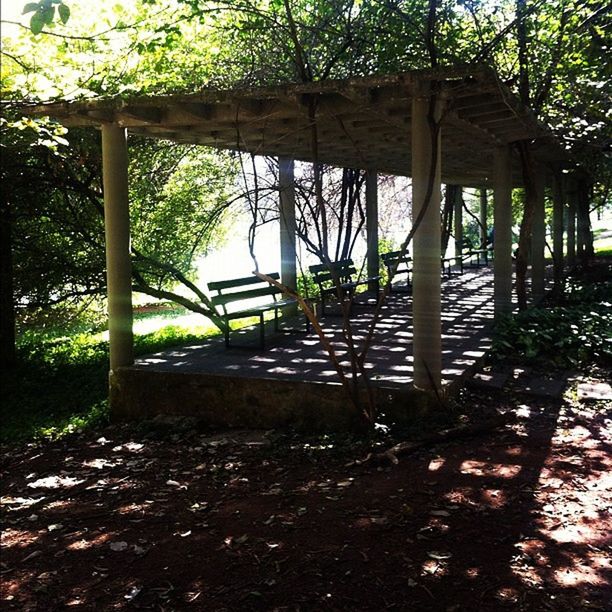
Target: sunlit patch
{"x": 55, "y": 482}
{"x": 523, "y": 411}
{"x": 592, "y": 570}
{"x": 436, "y": 464}
{"x": 483, "y": 468}
{"x": 566, "y": 533}
{"x": 21, "y": 502}
{"x": 472, "y": 572}
{"x": 98, "y": 464}
{"x": 133, "y": 508}
{"x": 507, "y": 594}
{"x": 132, "y": 447}
{"x": 534, "y": 549}
{"x": 17, "y": 538}
{"x": 434, "y": 567}
{"x": 495, "y": 498}
{"x": 84, "y": 544}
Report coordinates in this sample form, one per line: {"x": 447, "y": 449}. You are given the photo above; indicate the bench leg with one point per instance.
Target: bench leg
{"x": 261, "y": 331}
{"x": 226, "y": 333}
{"x": 276, "y": 319}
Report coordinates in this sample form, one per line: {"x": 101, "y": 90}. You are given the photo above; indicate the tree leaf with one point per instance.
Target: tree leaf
{"x": 37, "y": 23}
{"x": 47, "y": 14}
{"x": 29, "y": 7}
{"x": 64, "y": 12}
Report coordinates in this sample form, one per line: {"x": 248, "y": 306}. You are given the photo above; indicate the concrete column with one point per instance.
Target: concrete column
{"x": 288, "y": 269}
{"x": 538, "y": 240}
{"x": 558, "y": 206}
{"x": 426, "y": 250}
{"x": 502, "y": 226}
{"x": 117, "y": 233}
{"x": 483, "y": 218}
{"x": 458, "y": 221}
{"x": 373, "y": 266}
{"x": 571, "y": 224}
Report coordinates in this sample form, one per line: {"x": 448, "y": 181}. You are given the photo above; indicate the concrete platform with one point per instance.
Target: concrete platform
{"x": 293, "y": 382}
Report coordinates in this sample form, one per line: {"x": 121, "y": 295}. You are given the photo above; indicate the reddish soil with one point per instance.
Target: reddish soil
{"x": 161, "y": 518}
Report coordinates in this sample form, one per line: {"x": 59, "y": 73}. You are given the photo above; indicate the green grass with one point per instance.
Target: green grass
{"x": 60, "y": 383}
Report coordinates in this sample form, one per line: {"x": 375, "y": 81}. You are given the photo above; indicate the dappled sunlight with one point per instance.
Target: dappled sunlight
{"x": 84, "y": 543}
{"x": 18, "y": 538}
{"x": 484, "y": 468}
{"x": 436, "y": 464}
{"x": 54, "y": 482}
{"x": 466, "y": 302}
{"x": 494, "y": 498}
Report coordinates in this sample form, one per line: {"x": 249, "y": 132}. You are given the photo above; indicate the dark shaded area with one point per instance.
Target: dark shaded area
{"x": 514, "y": 519}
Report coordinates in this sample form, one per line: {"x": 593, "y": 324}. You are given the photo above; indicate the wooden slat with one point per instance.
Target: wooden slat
{"x": 239, "y": 282}
{"x": 239, "y": 296}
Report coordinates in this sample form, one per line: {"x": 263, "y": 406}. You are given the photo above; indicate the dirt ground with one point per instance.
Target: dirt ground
{"x": 162, "y": 516}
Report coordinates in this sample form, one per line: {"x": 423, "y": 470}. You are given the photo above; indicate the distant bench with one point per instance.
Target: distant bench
{"x": 344, "y": 270}
{"x": 481, "y": 255}
{"x": 403, "y": 263}
{"x": 249, "y": 289}
{"x": 405, "y": 266}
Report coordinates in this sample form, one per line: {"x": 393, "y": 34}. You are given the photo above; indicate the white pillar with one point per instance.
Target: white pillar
{"x": 288, "y": 269}
{"x": 538, "y": 239}
{"x": 117, "y": 233}
{"x": 426, "y": 252}
{"x": 558, "y": 206}
{"x": 373, "y": 265}
{"x": 502, "y": 226}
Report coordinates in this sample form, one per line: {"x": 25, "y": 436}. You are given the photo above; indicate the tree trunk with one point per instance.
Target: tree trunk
{"x": 585, "y": 237}
{"x": 8, "y": 357}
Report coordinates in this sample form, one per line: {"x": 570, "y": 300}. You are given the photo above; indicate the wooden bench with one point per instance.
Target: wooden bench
{"x": 470, "y": 252}
{"x": 343, "y": 271}
{"x": 249, "y": 289}
{"x": 447, "y": 265}
{"x": 404, "y": 266}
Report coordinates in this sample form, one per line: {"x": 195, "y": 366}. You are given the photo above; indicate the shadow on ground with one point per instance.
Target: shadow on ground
{"x": 162, "y": 519}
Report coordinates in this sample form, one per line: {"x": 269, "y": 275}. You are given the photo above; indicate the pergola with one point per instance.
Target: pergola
{"x": 382, "y": 124}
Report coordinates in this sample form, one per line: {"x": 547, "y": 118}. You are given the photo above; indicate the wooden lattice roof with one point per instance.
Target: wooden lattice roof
{"x": 360, "y": 123}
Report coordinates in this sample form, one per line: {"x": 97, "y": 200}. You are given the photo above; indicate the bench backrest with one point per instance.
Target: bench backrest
{"x": 392, "y": 258}
{"x": 242, "y": 289}
{"x": 325, "y": 273}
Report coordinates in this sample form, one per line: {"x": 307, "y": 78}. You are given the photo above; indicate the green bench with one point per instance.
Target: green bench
{"x": 404, "y": 266}
{"x": 344, "y": 270}
{"x": 481, "y": 255}
{"x": 240, "y": 298}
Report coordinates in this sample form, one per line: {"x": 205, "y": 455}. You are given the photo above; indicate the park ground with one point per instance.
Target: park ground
{"x": 162, "y": 516}
{"x": 168, "y": 515}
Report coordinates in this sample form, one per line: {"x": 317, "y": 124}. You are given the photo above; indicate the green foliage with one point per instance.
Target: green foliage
{"x": 44, "y": 13}
{"x": 61, "y": 382}
{"x": 577, "y": 332}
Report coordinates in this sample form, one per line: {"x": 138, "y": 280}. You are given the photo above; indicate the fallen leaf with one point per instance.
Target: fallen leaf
{"x": 439, "y": 556}
{"x": 439, "y": 513}
{"x": 132, "y": 593}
